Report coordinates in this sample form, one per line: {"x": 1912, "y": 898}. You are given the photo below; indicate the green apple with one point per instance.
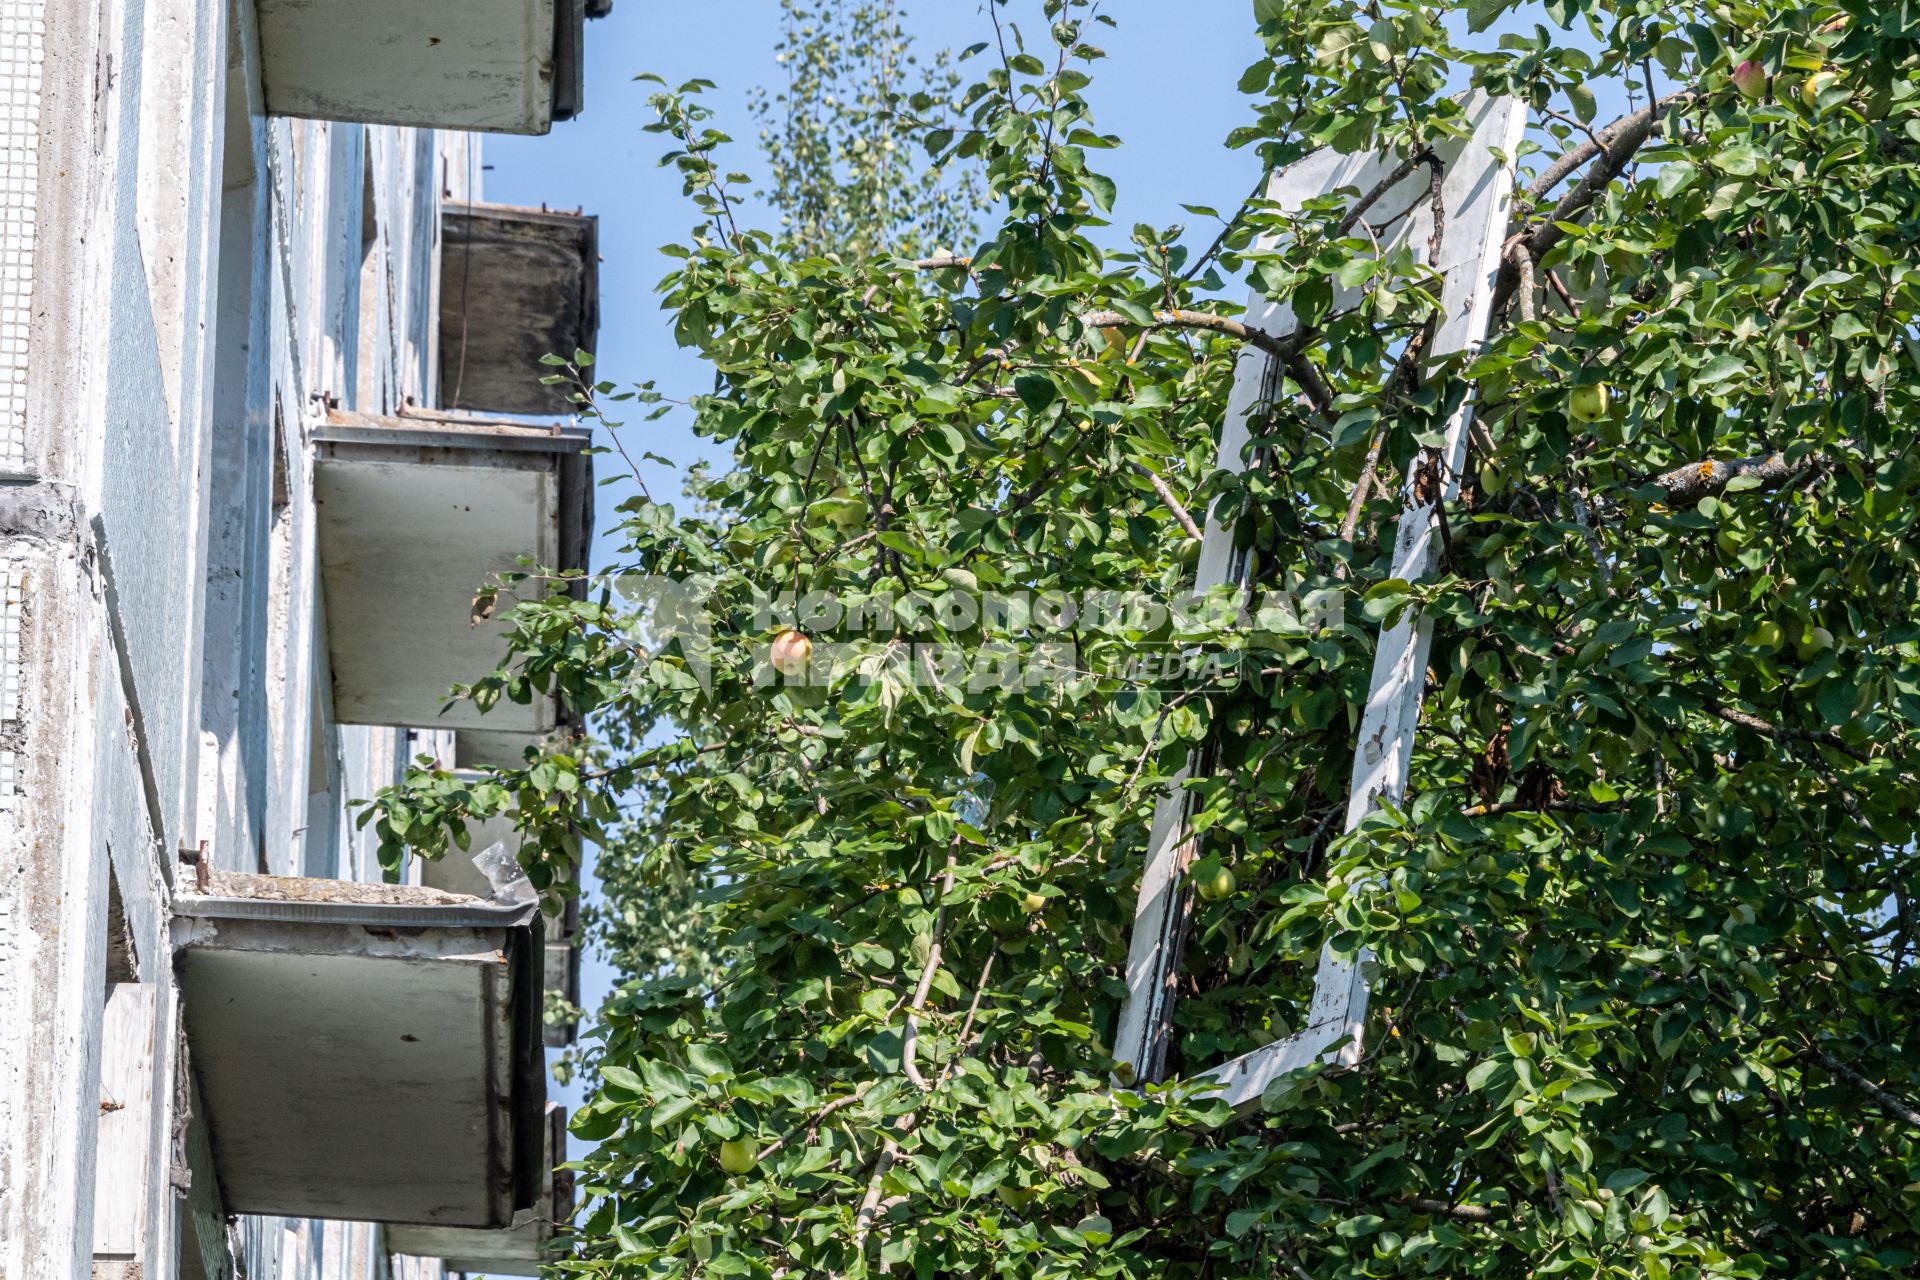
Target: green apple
{"x": 1815, "y": 85}
{"x": 1493, "y": 481}
{"x": 1750, "y": 78}
{"x": 1219, "y": 885}
{"x": 739, "y": 1156}
{"x": 1768, "y": 635}
{"x": 1590, "y": 403}
{"x": 1015, "y": 1198}
{"x": 1813, "y": 642}
{"x": 1034, "y": 903}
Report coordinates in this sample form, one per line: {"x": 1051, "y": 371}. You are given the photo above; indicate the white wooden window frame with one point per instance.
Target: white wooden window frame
{"x": 1476, "y": 190}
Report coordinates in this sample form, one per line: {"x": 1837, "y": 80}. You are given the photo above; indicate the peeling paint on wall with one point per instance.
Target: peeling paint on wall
{"x": 12, "y": 583}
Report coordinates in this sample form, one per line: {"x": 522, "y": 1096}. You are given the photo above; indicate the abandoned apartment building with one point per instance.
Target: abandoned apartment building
{"x": 270, "y": 412}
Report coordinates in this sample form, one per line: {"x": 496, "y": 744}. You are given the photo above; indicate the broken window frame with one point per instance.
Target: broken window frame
{"x": 1476, "y": 183}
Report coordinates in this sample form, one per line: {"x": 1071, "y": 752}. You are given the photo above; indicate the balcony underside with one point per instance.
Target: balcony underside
{"x": 516, "y": 1250}
{"x": 416, "y": 514}
{"x": 365, "y": 1052}
{"x": 504, "y": 66}
{"x": 515, "y": 285}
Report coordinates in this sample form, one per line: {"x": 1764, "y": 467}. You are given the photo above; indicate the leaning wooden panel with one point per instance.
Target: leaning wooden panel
{"x": 1476, "y": 190}
{"x": 122, "y": 1174}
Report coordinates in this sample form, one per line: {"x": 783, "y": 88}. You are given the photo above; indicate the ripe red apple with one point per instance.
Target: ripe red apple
{"x": 791, "y": 652}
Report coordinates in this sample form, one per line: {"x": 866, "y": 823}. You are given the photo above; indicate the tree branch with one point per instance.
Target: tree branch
{"x": 1615, "y": 149}
{"x": 1167, "y": 496}
{"x": 813, "y": 1121}
{"x": 910, "y": 1043}
{"x": 1686, "y": 486}
{"x": 1889, "y": 1102}
{"x": 1279, "y": 348}
{"x": 1782, "y": 733}
{"x": 1458, "y": 1212}
{"x": 1367, "y": 201}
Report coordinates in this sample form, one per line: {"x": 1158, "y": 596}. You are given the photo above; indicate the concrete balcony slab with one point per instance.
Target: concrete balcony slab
{"x": 366, "y": 1052}
{"x": 502, "y": 66}
{"x": 516, "y": 284}
{"x": 415, "y": 515}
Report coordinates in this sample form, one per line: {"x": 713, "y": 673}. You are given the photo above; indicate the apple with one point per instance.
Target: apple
{"x": 1219, "y": 885}
{"x": 1816, "y": 83}
{"x": 1493, "y": 481}
{"x": 791, "y": 652}
{"x": 1015, "y": 1198}
{"x": 1033, "y": 903}
{"x": 1769, "y": 636}
{"x": 739, "y": 1156}
{"x": 1813, "y": 642}
{"x": 1750, "y": 78}
{"x": 1589, "y": 403}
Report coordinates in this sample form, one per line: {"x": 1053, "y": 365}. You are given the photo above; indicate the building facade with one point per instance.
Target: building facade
{"x": 242, "y": 518}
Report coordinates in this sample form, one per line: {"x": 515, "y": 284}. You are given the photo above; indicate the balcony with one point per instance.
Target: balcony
{"x": 515, "y": 285}
{"x": 516, "y": 1250}
{"x": 366, "y": 1052}
{"x": 415, "y": 515}
{"x": 501, "y": 66}
{"x": 457, "y": 873}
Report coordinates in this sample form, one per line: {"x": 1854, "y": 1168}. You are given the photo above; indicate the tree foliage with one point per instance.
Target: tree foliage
{"x": 839, "y": 138}
{"x": 1642, "y": 938}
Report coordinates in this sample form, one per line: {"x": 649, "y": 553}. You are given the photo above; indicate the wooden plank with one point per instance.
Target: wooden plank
{"x": 1476, "y": 190}
{"x": 123, "y": 1174}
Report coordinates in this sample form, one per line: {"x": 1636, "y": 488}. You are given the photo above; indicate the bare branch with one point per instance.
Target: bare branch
{"x": 1891, "y": 1103}
{"x": 1172, "y": 501}
{"x": 910, "y": 1044}
{"x": 1782, "y": 733}
{"x": 1279, "y": 348}
{"x": 813, "y": 1121}
{"x": 1458, "y": 1212}
{"x": 1367, "y": 201}
{"x": 1619, "y": 142}
{"x": 1686, "y": 486}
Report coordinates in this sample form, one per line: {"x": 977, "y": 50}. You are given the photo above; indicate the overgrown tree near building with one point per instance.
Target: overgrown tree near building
{"x": 1643, "y": 936}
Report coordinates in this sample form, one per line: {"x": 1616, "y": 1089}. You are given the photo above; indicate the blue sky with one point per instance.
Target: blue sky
{"x": 1167, "y": 88}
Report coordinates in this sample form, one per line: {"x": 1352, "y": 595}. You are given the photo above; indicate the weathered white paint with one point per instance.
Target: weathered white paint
{"x": 447, "y": 64}
{"x": 428, "y": 510}
{"x": 175, "y": 274}
{"x": 1476, "y": 190}
{"x": 123, "y": 1176}
{"x": 296, "y": 996}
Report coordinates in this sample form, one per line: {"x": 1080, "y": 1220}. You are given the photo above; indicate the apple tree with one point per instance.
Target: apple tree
{"x": 1642, "y": 938}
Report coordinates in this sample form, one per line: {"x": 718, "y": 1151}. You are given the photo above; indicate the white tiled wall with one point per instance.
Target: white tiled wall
{"x": 21, "y": 30}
